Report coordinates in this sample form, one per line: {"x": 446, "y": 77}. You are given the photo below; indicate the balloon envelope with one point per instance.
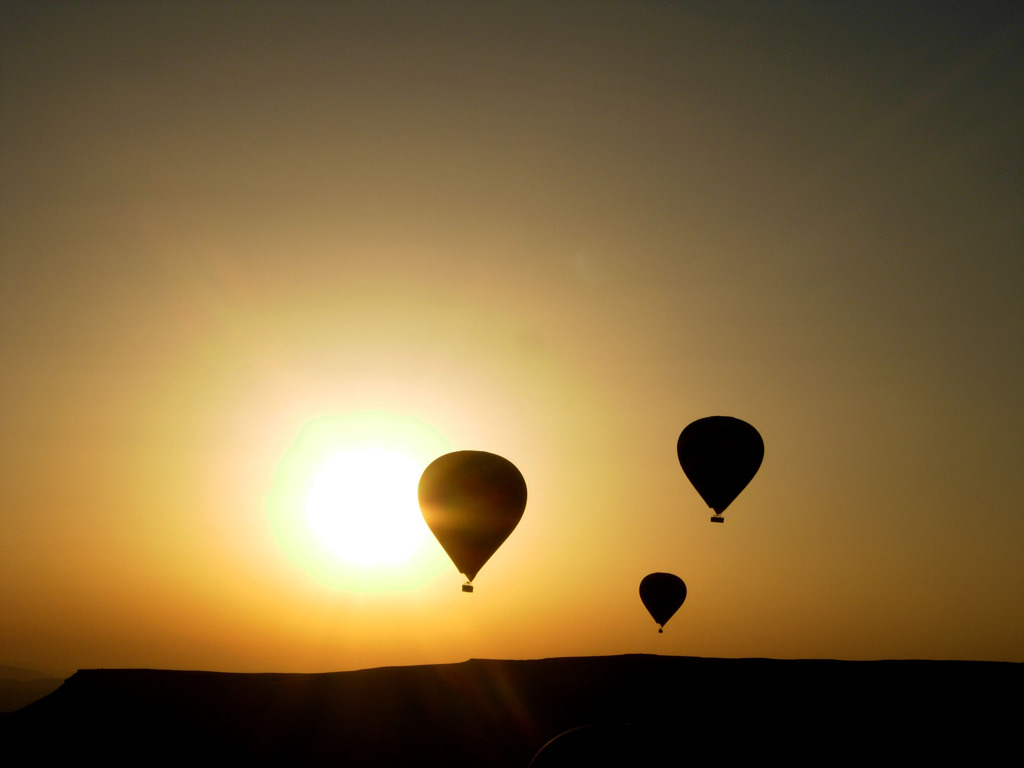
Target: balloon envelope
{"x": 471, "y": 501}
{"x": 720, "y": 455}
{"x": 662, "y": 594}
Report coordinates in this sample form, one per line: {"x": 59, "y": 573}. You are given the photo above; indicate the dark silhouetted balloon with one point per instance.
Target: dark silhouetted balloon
{"x": 662, "y": 594}
{"x": 472, "y": 501}
{"x": 720, "y": 455}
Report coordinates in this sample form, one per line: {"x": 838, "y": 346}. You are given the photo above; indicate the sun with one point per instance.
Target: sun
{"x": 362, "y": 506}
{"x": 343, "y": 505}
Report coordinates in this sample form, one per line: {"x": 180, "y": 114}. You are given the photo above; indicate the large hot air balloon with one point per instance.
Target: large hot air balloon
{"x": 720, "y": 455}
{"x": 662, "y": 594}
{"x": 472, "y": 501}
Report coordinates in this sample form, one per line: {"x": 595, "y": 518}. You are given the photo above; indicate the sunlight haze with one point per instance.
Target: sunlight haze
{"x": 237, "y": 239}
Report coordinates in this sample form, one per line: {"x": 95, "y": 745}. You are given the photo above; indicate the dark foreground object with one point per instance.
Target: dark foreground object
{"x": 20, "y": 687}
{"x": 501, "y": 713}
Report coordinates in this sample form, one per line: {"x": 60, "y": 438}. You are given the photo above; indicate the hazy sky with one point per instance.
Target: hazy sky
{"x": 555, "y": 231}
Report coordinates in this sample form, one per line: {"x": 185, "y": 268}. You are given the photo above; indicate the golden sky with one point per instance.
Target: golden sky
{"x": 558, "y": 232}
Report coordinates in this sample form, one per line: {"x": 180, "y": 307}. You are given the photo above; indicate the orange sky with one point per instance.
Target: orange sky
{"x": 558, "y": 232}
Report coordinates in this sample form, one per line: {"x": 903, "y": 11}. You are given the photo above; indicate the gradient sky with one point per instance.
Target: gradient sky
{"x": 555, "y": 231}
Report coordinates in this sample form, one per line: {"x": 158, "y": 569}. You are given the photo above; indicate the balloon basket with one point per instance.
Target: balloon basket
{"x": 661, "y": 631}
{"x": 467, "y": 587}
{"x": 717, "y": 519}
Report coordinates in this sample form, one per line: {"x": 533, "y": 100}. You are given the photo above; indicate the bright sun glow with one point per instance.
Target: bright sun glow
{"x": 343, "y": 503}
{"x": 362, "y": 506}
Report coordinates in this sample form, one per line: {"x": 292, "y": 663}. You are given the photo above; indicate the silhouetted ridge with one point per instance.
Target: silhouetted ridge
{"x": 19, "y": 687}
{"x": 488, "y": 712}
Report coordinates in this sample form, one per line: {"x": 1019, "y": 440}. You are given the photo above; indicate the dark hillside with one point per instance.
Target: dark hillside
{"x": 19, "y": 687}
{"x": 500, "y": 713}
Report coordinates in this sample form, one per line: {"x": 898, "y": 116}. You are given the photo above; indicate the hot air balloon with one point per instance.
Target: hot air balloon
{"x": 662, "y": 594}
{"x": 720, "y": 455}
{"x": 472, "y": 501}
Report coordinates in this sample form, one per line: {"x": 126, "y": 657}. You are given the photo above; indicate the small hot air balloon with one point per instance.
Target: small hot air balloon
{"x": 720, "y": 455}
{"x": 662, "y": 594}
{"x": 471, "y": 501}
